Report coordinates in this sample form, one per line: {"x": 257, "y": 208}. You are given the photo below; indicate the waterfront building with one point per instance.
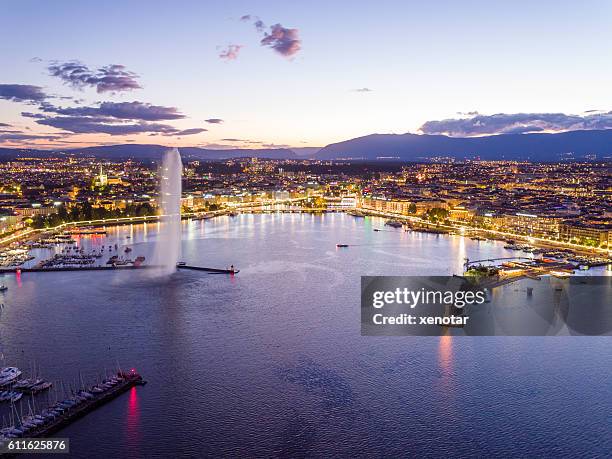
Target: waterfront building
{"x": 543, "y": 225}
{"x": 594, "y": 234}
{"x": 400, "y": 206}
{"x": 34, "y": 210}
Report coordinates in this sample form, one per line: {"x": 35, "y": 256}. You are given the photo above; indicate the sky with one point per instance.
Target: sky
{"x": 263, "y": 74}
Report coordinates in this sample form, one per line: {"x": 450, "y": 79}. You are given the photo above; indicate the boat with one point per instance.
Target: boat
{"x": 231, "y": 270}
{"x": 40, "y": 387}
{"x": 394, "y": 223}
{"x": 127, "y": 250}
{"x": 8, "y": 375}
{"x": 433, "y": 230}
{"x": 85, "y": 230}
{"x": 376, "y": 229}
{"x": 27, "y": 383}
{"x": 3, "y": 288}
{"x": 342, "y": 245}
{"x": 139, "y": 261}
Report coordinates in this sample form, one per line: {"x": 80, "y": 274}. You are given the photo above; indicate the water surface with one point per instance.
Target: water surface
{"x": 271, "y": 362}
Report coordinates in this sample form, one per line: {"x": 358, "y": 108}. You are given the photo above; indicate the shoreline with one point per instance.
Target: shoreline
{"x": 426, "y": 227}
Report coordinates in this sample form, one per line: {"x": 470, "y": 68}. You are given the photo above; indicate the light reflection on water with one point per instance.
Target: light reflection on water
{"x": 133, "y": 424}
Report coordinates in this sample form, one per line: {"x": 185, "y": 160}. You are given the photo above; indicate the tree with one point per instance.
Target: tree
{"x": 62, "y": 213}
{"x": 412, "y": 208}
{"x": 437, "y": 213}
{"x": 38, "y": 222}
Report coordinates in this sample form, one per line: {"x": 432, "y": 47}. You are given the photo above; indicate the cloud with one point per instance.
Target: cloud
{"x": 231, "y": 52}
{"x": 259, "y": 25}
{"x": 16, "y": 137}
{"x": 518, "y": 123}
{"x": 214, "y": 120}
{"x": 191, "y": 131}
{"x": 114, "y": 119}
{"x": 218, "y": 146}
{"x": 33, "y": 115}
{"x": 103, "y": 125}
{"x": 234, "y": 140}
{"x": 120, "y": 110}
{"x": 363, "y": 90}
{"x": 274, "y": 145}
{"x": 282, "y": 40}
{"x": 22, "y": 93}
{"x": 110, "y": 78}
{"x": 4, "y": 125}
{"x": 35, "y": 59}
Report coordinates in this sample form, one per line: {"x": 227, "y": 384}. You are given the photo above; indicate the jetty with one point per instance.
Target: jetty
{"x": 183, "y": 265}
{"x": 67, "y": 412}
{"x": 72, "y": 268}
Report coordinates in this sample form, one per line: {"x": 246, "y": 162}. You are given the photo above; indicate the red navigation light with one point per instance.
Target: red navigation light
{"x": 133, "y": 370}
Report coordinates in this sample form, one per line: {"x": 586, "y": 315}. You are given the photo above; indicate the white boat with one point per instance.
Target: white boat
{"x": 8, "y": 375}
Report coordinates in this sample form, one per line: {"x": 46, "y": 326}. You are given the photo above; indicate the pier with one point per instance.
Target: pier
{"x": 182, "y": 265}
{"x": 72, "y": 268}
{"x": 125, "y": 381}
{"x": 516, "y": 268}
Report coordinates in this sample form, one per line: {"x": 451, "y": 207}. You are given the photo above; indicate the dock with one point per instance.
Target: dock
{"x": 71, "y": 268}
{"x": 182, "y": 265}
{"x": 71, "y": 414}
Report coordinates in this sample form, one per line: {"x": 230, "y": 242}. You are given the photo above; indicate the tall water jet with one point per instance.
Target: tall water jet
{"x": 168, "y": 244}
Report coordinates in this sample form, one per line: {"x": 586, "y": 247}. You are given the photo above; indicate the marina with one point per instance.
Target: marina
{"x": 62, "y": 413}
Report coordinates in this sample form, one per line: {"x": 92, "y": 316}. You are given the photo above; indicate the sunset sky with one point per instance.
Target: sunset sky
{"x": 264, "y": 73}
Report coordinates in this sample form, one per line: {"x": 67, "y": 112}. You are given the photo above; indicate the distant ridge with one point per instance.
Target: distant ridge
{"x": 534, "y": 147}
{"x": 152, "y": 152}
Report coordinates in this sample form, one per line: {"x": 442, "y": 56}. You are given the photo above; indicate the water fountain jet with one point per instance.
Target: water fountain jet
{"x": 168, "y": 244}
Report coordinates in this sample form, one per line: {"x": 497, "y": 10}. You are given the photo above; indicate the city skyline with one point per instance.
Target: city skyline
{"x": 276, "y": 75}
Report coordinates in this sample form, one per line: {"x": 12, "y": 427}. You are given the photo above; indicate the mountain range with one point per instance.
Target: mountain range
{"x": 591, "y": 144}
{"x": 534, "y": 147}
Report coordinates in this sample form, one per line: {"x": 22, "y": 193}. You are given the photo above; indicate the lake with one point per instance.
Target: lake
{"x": 271, "y": 362}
